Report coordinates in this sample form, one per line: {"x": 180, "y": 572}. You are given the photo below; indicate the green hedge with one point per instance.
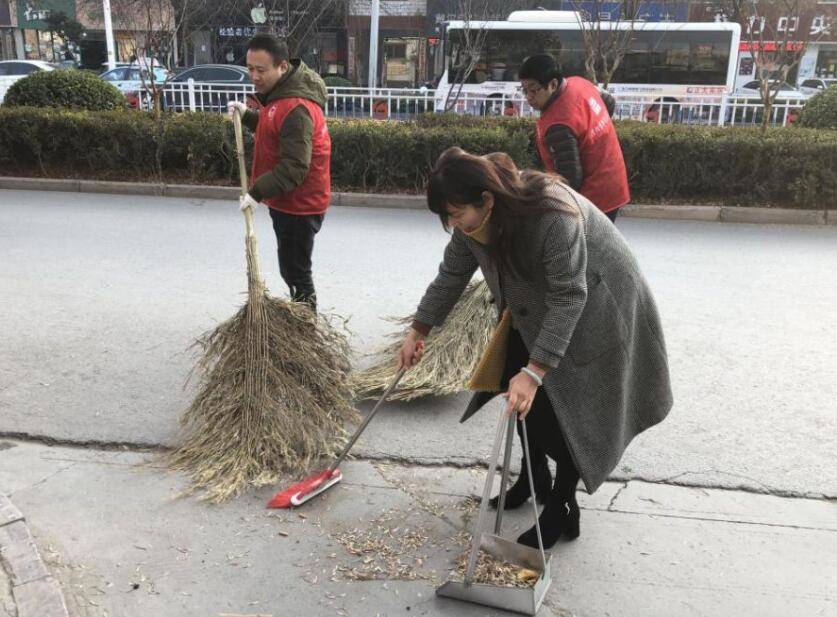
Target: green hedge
{"x": 367, "y": 155}
{"x": 389, "y": 156}
{"x": 335, "y": 81}
{"x": 739, "y": 166}
{"x": 788, "y": 167}
{"x": 821, "y": 111}
{"x": 198, "y": 146}
{"x": 65, "y": 89}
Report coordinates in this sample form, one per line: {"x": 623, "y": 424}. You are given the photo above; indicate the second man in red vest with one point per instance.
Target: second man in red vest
{"x": 291, "y": 156}
{"x": 575, "y": 136}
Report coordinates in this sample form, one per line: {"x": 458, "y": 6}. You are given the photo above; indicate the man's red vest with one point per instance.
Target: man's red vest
{"x": 314, "y": 194}
{"x": 580, "y": 107}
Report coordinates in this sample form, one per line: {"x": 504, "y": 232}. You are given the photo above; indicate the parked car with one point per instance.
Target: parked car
{"x": 817, "y": 84}
{"x": 215, "y": 86}
{"x": 12, "y": 70}
{"x": 133, "y": 80}
{"x": 786, "y": 91}
{"x": 141, "y": 62}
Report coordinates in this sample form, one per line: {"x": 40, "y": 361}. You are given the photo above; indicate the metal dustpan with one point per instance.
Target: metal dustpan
{"x": 519, "y": 600}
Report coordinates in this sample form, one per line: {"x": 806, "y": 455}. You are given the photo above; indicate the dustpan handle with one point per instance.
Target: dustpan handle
{"x": 248, "y": 212}
{"x": 532, "y": 492}
{"x": 501, "y": 500}
{"x": 476, "y": 536}
{"x": 367, "y": 420}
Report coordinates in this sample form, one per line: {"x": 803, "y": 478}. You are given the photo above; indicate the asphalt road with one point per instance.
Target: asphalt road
{"x": 101, "y": 296}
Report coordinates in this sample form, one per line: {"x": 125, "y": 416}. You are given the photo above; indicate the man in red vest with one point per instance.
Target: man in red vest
{"x": 291, "y": 156}
{"x": 575, "y": 136}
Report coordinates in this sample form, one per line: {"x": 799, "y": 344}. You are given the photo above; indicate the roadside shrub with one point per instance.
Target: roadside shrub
{"x": 198, "y": 146}
{"x": 787, "y": 167}
{"x": 64, "y": 88}
{"x": 820, "y": 112}
{"x": 391, "y": 156}
{"x": 335, "y": 81}
{"x": 735, "y": 166}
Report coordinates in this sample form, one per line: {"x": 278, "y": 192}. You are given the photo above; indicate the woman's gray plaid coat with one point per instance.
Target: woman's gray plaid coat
{"x": 584, "y": 309}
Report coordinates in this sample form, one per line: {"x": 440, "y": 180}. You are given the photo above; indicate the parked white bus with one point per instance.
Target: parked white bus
{"x": 666, "y": 62}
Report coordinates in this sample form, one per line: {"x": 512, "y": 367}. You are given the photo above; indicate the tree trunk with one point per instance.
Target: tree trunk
{"x": 590, "y": 66}
{"x": 767, "y": 102}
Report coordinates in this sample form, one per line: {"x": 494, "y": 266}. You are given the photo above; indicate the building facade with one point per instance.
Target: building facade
{"x": 813, "y": 28}
{"x": 402, "y": 43}
{"x": 8, "y": 47}
{"x": 26, "y": 33}
{"x": 31, "y": 29}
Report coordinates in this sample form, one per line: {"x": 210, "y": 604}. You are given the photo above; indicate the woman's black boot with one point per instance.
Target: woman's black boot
{"x": 517, "y": 495}
{"x": 560, "y": 517}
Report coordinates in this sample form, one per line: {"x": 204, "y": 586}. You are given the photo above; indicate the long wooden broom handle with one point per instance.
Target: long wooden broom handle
{"x": 242, "y": 176}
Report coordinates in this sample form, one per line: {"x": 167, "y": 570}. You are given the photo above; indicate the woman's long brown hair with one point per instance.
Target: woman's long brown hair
{"x": 460, "y": 178}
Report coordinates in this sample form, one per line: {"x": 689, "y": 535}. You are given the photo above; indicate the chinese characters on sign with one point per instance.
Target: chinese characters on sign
{"x": 237, "y": 31}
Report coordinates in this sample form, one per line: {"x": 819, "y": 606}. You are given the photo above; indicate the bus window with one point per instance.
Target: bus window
{"x": 699, "y": 58}
{"x": 653, "y": 57}
{"x": 503, "y": 51}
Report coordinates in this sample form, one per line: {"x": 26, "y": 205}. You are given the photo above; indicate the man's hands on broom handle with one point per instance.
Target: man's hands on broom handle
{"x": 247, "y": 201}
{"x": 233, "y": 106}
{"x": 412, "y": 349}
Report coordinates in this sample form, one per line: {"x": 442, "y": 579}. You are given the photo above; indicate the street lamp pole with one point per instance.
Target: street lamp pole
{"x": 109, "y": 36}
{"x": 373, "y": 44}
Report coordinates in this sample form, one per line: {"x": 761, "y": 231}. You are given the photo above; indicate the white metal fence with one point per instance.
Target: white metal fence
{"x": 407, "y": 104}
{"x": 726, "y": 110}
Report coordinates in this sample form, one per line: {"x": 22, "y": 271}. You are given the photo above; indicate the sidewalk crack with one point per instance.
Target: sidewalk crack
{"x": 616, "y": 496}
{"x": 44, "y": 480}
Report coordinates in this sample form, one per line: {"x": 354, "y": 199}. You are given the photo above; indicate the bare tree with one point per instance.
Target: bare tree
{"x": 469, "y": 43}
{"x": 777, "y": 34}
{"x": 154, "y": 25}
{"x": 607, "y": 30}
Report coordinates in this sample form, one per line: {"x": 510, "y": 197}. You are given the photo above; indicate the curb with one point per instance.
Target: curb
{"x": 713, "y": 214}
{"x": 34, "y": 591}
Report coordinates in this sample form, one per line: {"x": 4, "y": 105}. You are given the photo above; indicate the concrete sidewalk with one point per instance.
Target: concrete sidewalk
{"x": 26, "y": 587}
{"x": 114, "y": 531}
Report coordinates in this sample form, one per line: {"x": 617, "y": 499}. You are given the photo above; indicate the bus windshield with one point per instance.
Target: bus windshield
{"x": 654, "y": 56}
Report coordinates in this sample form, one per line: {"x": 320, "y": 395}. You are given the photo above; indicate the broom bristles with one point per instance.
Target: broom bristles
{"x": 273, "y": 397}
{"x": 451, "y": 354}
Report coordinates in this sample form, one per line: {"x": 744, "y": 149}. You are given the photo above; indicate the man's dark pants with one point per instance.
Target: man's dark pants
{"x": 295, "y": 241}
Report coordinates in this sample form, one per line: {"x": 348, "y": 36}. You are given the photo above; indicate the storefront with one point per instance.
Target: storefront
{"x": 231, "y": 44}
{"x": 7, "y": 40}
{"x": 38, "y": 42}
{"x": 402, "y": 51}
{"x": 404, "y": 61}
{"x": 826, "y": 61}
{"x": 780, "y": 68}
{"x": 819, "y": 60}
